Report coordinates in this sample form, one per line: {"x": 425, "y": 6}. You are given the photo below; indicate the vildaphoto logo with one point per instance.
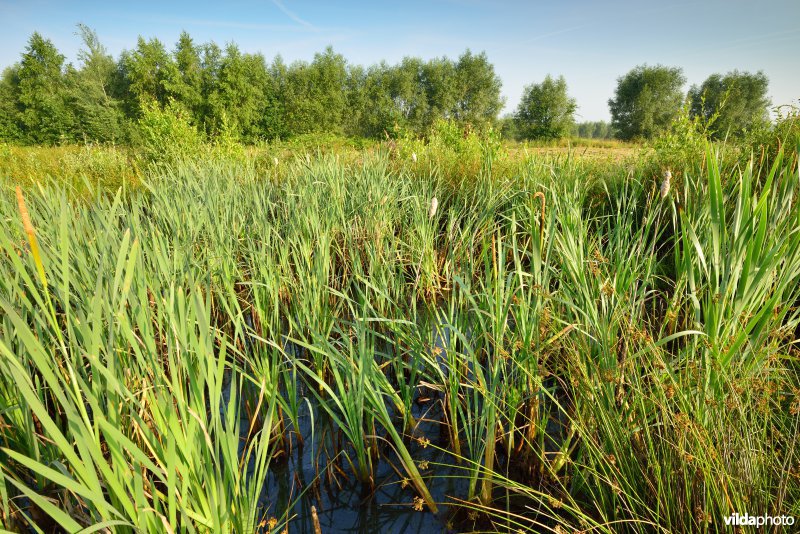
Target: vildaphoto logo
{"x": 747, "y": 520}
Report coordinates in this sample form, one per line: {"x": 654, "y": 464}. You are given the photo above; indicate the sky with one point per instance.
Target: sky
{"x": 590, "y": 43}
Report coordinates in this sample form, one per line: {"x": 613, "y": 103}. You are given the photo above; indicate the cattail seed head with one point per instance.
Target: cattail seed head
{"x": 28, "y": 226}
{"x": 434, "y": 206}
{"x": 23, "y": 211}
{"x": 666, "y": 183}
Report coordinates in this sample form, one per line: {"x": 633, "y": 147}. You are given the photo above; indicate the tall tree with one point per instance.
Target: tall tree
{"x": 739, "y": 98}
{"x": 314, "y": 95}
{"x": 646, "y": 101}
{"x": 149, "y": 72}
{"x": 186, "y": 84}
{"x": 42, "y": 98}
{"x": 216, "y": 90}
{"x": 546, "y": 111}
{"x": 374, "y": 109}
{"x": 211, "y": 57}
{"x": 98, "y": 112}
{"x": 592, "y": 130}
{"x": 478, "y": 99}
{"x": 408, "y": 94}
{"x": 439, "y": 85}
{"x": 243, "y": 95}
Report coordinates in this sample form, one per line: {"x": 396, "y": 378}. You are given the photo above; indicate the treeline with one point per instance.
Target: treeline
{"x": 216, "y": 91}
{"x": 44, "y": 100}
{"x": 592, "y": 130}
{"x": 646, "y": 103}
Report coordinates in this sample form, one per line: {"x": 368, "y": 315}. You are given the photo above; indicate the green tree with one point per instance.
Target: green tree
{"x": 378, "y": 102}
{"x": 240, "y": 95}
{"x": 10, "y": 117}
{"x": 274, "y": 123}
{"x": 441, "y": 92}
{"x": 99, "y": 115}
{"x": 408, "y": 94}
{"x": 545, "y": 111}
{"x": 592, "y": 130}
{"x": 211, "y": 57}
{"x": 646, "y": 101}
{"x": 149, "y": 72}
{"x": 42, "y": 98}
{"x": 371, "y": 109}
{"x": 186, "y": 84}
{"x": 478, "y": 99}
{"x": 739, "y": 99}
{"x": 314, "y": 95}
{"x": 507, "y": 125}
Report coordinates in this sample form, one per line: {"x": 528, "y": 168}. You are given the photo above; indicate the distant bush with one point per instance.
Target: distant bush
{"x": 765, "y": 141}
{"x": 680, "y": 144}
{"x": 452, "y": 149}
{"x": 165, "y": 135}
{"x": 592, "y": 130}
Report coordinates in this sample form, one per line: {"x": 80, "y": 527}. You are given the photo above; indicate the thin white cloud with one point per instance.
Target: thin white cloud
{"x": 292, "y": 15}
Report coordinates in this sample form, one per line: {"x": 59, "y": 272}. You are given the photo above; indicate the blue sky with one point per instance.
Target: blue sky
{"x": 591, "y": 43}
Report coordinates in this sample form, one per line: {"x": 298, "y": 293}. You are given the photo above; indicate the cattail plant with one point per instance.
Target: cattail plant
{"x": 595, "y": 377}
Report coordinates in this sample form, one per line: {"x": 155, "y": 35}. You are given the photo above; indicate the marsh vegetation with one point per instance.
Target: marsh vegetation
{"x": 557, "y": 343}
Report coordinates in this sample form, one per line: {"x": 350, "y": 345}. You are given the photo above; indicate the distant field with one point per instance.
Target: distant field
{"x": 616, "y": 153}
{"x": 110, "y": 165}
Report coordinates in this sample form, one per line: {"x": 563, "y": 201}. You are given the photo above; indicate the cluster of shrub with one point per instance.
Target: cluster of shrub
{"x": 235, "y": 95}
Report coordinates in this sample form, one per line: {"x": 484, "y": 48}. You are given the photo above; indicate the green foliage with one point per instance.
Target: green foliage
{"x": 10, "y": 120}
{"x": 646, "y": 100}
{"x": 147, "y": 72}
{"x": 187, "y": 85}
{"x": 593, "y": 130}
{"x": 768, "y": 139}
{"x": 242, "y": 94}
{"x": 314, "y": 95}
{"x": 509, "y": 128}
{"x": 739, "y": 99}
{"x": 41, "y": 96}
{"x": 99, "y": 114}
{"x": 477, "y": 98}
{"x": 225, "y": 92}
{"x": 165, "y": 135}
{"x": 409, "y": 94}
{"x": 678, "y": 147}
{"x": 372, "y": 110}
{"x": 546, "y": 111}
